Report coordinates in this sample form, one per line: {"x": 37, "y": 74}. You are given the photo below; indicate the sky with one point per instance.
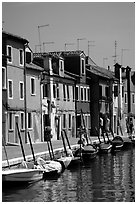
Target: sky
{"x": 101, "y": 23}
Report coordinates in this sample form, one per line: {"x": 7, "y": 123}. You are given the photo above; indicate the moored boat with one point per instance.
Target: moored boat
{"x": 117, "y": 143}
{"x": 105, "y": 148}
{"x": 21, "y": 175}
{"x": 50, "y": 167}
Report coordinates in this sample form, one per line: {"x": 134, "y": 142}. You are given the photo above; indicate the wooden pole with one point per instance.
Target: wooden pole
{"x": 67, "y": 139}
{"x": 51, "y": 148}
{"x": 84, "y": 126}
{"x": 22, "y": 149}
{"x": 32, "y": 150}
{"x": 64, "y": 143}
{"x": 5, "y": 152}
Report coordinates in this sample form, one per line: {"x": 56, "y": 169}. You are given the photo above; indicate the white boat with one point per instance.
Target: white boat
{"x": 50, "y": 167}
{"x": 26, "y": 172}
{"x": 65, "y": 161}
{"x": 22, "y": 175}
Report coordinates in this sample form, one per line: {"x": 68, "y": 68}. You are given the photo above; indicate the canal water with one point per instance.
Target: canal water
{"x": 108, "y": 178}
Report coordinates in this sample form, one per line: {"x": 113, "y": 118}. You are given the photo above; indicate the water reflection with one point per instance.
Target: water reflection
{"x": 109, "y": 178}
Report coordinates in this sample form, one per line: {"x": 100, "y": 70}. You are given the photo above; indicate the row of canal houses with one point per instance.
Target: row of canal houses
{"x": 53, "y": 89}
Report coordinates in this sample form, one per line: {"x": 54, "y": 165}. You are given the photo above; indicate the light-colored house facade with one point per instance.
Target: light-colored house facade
{"x": 33, "y": 101}
{"x": 57, "y": 91}
{"x": 15, "y": 111}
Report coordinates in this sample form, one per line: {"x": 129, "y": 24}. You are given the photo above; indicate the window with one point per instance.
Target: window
{"x": 89, "y": 121}
{"x": 10, "y": 89}
{"x": 122, "y": 91}
{"x": 21, "y": 91}
{"x": 68, "y": 92}
{"x": 64, "y": 92}
{"x": 21, "y": 57}
{"x": 73, "y": 89}
{"x": 61, "y": 65}
{"x": 64, "y": 121}
{"x": 125, "y": 97}
{"x": 107, "y": 91}
{"x": 115, "y": 91}
{"x": 77, "y": 92}
{"x": 85, "y": 93}
{"x": 45, "y": 90}
{"x": 9, "y": 53}
{"x": 81, "y": 94}
{"x": 54, "y": 91}
{"x": 100, "y": 91}
{"x": 3, "y": 77}
{"x": 133, "y": 98}
{"x": 69, "y": 121}
{"x": 88, "y": 95}
{"x": 29, "y": 120}
{"x": 57, "y": 89}
{"x": 10, "y": 121}
{"x": 32, "y": 86}
{"x": 82, "y": 66}
{"x": 22, "y": 121}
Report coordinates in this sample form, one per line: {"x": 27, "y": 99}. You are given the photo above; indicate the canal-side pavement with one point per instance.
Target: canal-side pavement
{"x": 14, "y": 153}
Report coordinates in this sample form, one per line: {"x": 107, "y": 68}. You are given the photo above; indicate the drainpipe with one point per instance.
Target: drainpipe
{"x": 25, "y": 98}
{"x": 128, "y": 70}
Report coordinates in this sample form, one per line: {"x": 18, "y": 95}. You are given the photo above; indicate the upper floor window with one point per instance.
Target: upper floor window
{"x": 54, "y": 91}
{"x": 64, "y": 120}
{"x": 70, "y": 123}
{"x": 125, "y": 97}
{"x": 107, "y": 91}
{"x": 45, "y": 90}
{"x": 9, "y": 53}
{"x": 21, "y": 60}
{"x": 57, "y": 89}
{"x": 82, "y": 66}
{"x": 10, "y": 121}
{"x": 22, "y": 121}
{"x": 10, "y": 89}
{"x": 33, "y": 86}
{"x": 29, "y": 120}
{"x": 61, "y": 65}
{"x": 122, "y": 91}
{"x": 115, "y": 91}
{"x": 73, "y": 89}
{"x": 64, "y": 92}
{"x": 77, "y": 92}
{"x": 21, "y": 91}
{"x": 81, "y": 93}
{"x": 85, "y": 93}
{"x": 133, "y": 98}
{"x": 3, "y": 77}
{"x": 88, "y": 94}
{"x": 68, "y": 92}
{"x": 100, "y": 91}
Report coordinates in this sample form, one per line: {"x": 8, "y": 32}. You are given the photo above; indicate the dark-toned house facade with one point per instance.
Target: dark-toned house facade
{"x": 101, "y": 83}
{"x": 75, "y": 63}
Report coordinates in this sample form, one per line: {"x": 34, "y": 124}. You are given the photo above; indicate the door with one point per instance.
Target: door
{"x": 16, "y": 131}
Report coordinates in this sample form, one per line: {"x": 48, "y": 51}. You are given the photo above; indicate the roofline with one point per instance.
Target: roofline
{"x": 15, "y": 36}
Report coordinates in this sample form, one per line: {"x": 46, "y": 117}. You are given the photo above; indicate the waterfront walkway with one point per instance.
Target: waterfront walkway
{"x": 14, "y": 153}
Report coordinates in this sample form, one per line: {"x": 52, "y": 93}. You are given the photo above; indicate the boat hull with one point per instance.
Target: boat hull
{"x": 105, "y": 148}
{"x": 117, "y": 143}
{"x": 22, "y": 175}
